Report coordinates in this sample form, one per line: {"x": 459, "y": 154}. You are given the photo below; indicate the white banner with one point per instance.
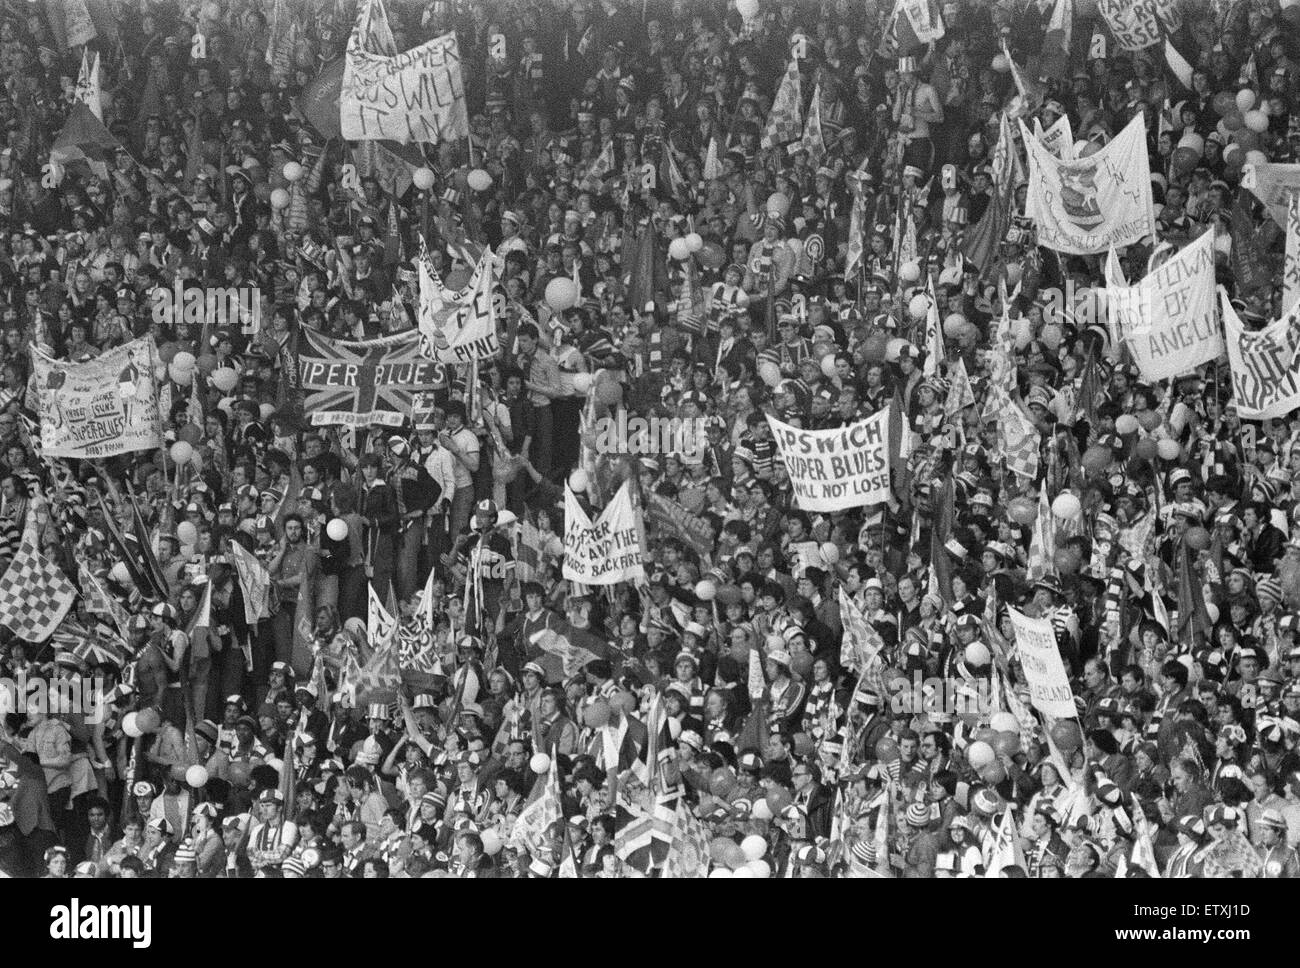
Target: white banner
{"x": 1169, "y": 318}
{"x": 460, "y": 327}
{"x": 1085, "y": 206}
{"x": 1265, "y": 368}
{"x": 835, "y": 469}
{"x": 608, "y": 551}
{"x": 1134, "y": 24}
{"x": 1058, "y": 139}
{"x": 1040, "y": 660}
{"x": 106, "y": 406}
{"x": 417, "y": 95}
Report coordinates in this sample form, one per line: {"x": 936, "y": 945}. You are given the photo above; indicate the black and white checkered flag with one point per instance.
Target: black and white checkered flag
{"x": 34, "y": 595}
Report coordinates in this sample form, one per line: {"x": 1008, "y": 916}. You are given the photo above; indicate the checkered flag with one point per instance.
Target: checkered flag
{"x": 785, "y": 120}
{"x": 34, "y": 595}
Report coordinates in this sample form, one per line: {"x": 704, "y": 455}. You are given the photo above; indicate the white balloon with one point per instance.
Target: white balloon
{"x": 761, "y": 869}
{"x": 579, "y": 481}
{"x": 747, "y": 8}
{"x": 540, "y": 763}
{"x": 292, "y": 171}
{"x": 337, "y": 529}
{"x": 196, "y": 776}
{"x": 742, "y": 873}
{"x": 694, "y": 242}
{"x": 679, "y": 250}
{"x": 582, "y": 383}
{"x": 719, "y": 874}
{"x": 131, "y": 727}
{"x": 279, "y": 198}
{"x": 492, "y": 843}
{"x": 754, "y": 847}
{"x": 479, "y": 180}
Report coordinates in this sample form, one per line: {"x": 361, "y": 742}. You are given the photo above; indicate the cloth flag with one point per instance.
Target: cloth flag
{"x": 88, "y": 89}
{"x": 785, "y": 120}
{"x": 813, "y": 141}
{"x": 254, "y": 584}
{"x": 35, "y": 595}
{"x": 1084, "y": 206}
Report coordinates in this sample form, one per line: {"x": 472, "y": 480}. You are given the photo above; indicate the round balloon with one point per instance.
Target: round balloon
{"x": 196, "y": 776}
{"x": 337, "y": 529}
{"x": 705, "y": 590}
{"x": 1004, "y": 723}
{"x": 540, "y": 763}
{"x": 224, "y": 379}
{"x": 1066, "y": 506}
{"x": 181, "y": 452}
{"x": 561, "y": 293}
{"x": 754, "y": 847}
{"x": 980, "y": 754}
{"x": 582, "y": 382}
{"x": 479, "y": 180}
{"x": 678, "y": 250}
{"x": 148, "y": 720}
{"x": 1126, "y": 424}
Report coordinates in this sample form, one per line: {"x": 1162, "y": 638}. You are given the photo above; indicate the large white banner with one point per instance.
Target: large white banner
{"x": 106, "y": 406}
{"x": 1086, "y": 205}
{"x": 1040, "y": 660}
{"x": 1169, "y": 318}
{"x": 1265, "y": 368}
{"x": 417, "y": 95}
{"x": 460, "y": 327}
{"x": 835, "y": 469}
{"x": 605, "y": 552}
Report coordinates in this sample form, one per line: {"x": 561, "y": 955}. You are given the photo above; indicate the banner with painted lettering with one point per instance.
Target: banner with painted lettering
{"x": 1265, "y": 368}
{"x": 105, "y": 406}
{"x": 460, "y": 327}
{"x": 608, "y": 551}
{"x": 1086, "y": 205}
{"x": 357, "y": 384}
{"x": 924, "y": 18}
{"x": 1058, "y": 139}
{"x": 836, "y": 469}
{"x": 1134, "y": 24}
{"x": 1040, "y": 660}
{"x": 417, "y": 95}
{"x": 1169, "y": 318}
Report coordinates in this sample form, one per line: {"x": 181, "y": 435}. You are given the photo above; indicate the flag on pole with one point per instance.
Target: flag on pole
{"x": 1042, "y": 544}
{"x": 254, "y": 584}
{"x": 813, "y": 141}
{"x": 785, "y": 120}
{"x": 88, "y": 89}
{"x": 712, "y": 164}
{"x": 35, "y": 595}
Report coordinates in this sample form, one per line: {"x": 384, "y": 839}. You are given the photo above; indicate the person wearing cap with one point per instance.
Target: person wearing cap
{"x": 158, "y": 848}
{"x": 1279, "y": 859}
{"x": 271, "y": 837}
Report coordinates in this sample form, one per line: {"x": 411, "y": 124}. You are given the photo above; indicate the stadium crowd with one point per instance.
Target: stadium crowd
{"x": 783, "y": 693}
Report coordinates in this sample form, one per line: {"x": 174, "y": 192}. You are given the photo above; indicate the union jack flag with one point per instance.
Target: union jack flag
{"x": 363, "y": 383}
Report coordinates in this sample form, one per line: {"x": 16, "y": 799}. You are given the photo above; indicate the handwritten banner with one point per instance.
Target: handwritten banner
{"x": 106, "y": 406}
{"x": 608, "y": 551}
{"x": 1265, "y": 368}
{"x": 1040, "y": 660}
{"x": 1086, "y": 205}
{"x": 460, "y": 327}
{"x": 835, "y": 469}
{"x": 1135, "y": 25}
{"x": 417, "y": 95}
{"x": 1169, "y": 319}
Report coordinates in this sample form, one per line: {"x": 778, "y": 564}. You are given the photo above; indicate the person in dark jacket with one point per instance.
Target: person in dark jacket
{"x": 27, "y": 798}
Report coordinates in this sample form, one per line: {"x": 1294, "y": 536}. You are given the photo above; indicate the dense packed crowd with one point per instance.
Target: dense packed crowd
{"x": 783, "y": 693}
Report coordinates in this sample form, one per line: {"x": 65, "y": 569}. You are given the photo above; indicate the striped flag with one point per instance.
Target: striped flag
{"x": 1291, "y": 270}
{"x": 934, "y": 349}
{"x": 785, "y": 120}
{"x": 1004, "y": 850}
